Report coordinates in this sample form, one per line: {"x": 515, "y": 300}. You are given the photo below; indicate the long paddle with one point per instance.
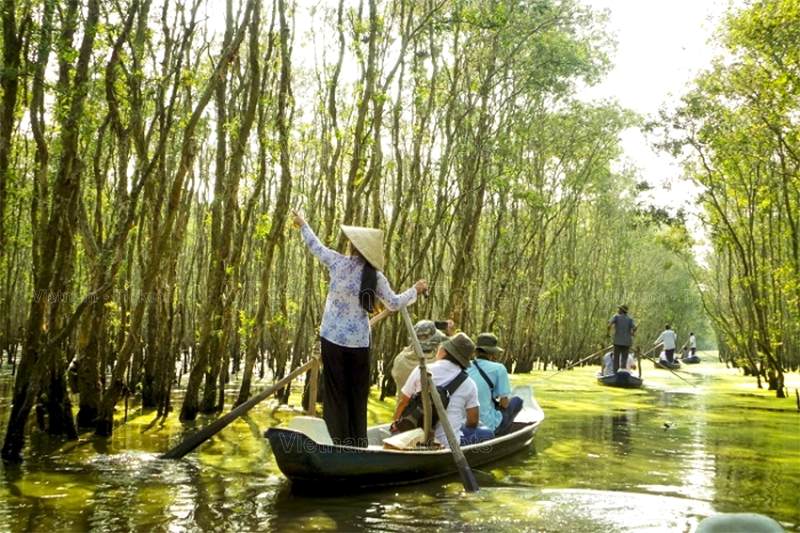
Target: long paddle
{"x": 595, "y": 354}
{"x": 467, "y": 477}
{"x": 196, "y": 439}
{"x": 655, "y": 362}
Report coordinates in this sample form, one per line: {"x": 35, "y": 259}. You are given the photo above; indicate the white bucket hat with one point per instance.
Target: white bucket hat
{"x": 369, "y": 243}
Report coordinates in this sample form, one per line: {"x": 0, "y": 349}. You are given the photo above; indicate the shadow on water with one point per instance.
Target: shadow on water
{"x": 660, "y": 458}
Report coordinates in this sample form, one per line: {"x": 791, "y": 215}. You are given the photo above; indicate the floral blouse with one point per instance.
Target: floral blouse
{"x": 344, "y": 321}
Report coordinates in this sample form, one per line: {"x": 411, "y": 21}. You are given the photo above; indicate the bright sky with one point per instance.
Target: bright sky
{"x": 661, "y": 46}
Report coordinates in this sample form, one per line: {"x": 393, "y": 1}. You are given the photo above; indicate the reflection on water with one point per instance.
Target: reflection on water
{"x": 621, "y": 431}
{"x": 658, "y": 459}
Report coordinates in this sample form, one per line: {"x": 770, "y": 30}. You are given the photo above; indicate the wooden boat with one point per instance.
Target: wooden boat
{"x": 624, "y": 380}
{"x": 663, "y": 363}
{"x": 690, "y": 360}
{"x": 306, "y": 455}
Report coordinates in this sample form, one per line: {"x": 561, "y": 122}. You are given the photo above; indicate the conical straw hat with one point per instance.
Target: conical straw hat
{"x": 368, "y": 241}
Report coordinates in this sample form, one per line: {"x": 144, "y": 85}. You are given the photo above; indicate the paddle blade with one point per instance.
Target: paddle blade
{"x": 468, "y": 480}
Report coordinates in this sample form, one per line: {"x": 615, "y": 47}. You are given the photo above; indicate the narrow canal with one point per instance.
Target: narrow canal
{"x": 659, "y": 459}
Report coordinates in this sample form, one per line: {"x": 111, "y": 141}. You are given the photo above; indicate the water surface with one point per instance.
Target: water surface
{"x": 656, "y": 459}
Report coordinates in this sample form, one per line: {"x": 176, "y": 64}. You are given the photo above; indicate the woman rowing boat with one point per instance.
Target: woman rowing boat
{"x": 355, "y": 280}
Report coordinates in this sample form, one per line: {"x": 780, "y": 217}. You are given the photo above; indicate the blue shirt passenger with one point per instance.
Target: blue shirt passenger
{"x": 498, "y": 375}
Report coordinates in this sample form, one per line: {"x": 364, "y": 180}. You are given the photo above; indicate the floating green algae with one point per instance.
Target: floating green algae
{"x": 604, "y": 459}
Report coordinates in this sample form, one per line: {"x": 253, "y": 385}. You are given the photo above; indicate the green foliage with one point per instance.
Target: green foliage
{"x": 740, "y": 126}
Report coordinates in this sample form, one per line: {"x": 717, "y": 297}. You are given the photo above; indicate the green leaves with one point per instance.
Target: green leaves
{"x": 739, "y": 125}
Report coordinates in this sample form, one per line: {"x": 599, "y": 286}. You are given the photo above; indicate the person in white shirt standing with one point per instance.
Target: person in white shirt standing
{"x": 670, "y": 340}
{"x": 692, "y": 344}
{"x": 463, "y": 408}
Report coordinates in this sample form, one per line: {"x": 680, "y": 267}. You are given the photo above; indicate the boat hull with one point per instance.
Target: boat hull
{"x": 665, "y": 364}
{"x": 620, "y": 379}
{"x": 330, "y": 468}
{"x": 691, "y": 360}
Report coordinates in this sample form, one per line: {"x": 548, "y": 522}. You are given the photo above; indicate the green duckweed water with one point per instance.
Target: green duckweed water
{"x": 659, "y": 459}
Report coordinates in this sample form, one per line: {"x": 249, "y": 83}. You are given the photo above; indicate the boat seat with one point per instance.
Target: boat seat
{"x": 312, "y": 427}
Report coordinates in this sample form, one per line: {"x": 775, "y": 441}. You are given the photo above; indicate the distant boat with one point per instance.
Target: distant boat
{"x": 690, "y": 359}
{"x": 624, "y": 380}
{"x": 308, "y": 457}
{"x": 663, "y": 363}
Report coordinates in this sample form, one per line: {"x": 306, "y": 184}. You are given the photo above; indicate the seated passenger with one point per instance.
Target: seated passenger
{"x": 630, "y": 364}
{"x": 429, "y": 338}
{"x": 463, "y": 412}
{"x": 608, "y": 364}
{"x": 497, "y": 409}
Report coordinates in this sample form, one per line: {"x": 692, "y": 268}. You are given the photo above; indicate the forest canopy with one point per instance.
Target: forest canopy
{"x": 151, "y": 153}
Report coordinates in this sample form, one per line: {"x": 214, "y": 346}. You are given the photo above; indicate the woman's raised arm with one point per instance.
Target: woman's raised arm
{"x": 322, "y": 252}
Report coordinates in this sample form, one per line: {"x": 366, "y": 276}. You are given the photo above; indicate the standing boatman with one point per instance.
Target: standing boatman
{"x": 624, "y": 330}
{"x": 692, "y": 344}
{"x": 356, "y": 280}
{"x": 670, "y": 341}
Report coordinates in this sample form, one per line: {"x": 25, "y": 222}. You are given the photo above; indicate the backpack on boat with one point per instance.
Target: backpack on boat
{"x": 413, "y": 415}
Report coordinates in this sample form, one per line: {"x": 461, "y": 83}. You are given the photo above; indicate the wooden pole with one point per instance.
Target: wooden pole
{"x": 676, "y": 374}
{"x": 639, "y": 364}
{"x": 648, "y": 352}
{"x": 196, "y": 439}
{"x": 380, "y": 316}
{"x": 423, "y": 371}
{"x": 467, "y": 477}
{"x": 312, "y": 388}
{"x": 595, "y": 354}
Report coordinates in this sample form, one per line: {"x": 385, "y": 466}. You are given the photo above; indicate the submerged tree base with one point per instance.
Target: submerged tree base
{"x": 104, "y": 428}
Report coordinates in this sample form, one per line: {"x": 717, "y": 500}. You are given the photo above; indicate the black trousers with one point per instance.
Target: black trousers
{"x": 345, "y": 375}
{"x": 620, "y": 352}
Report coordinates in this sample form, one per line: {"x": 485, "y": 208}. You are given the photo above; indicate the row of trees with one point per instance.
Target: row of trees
{"x": 738, "y": 131}
{"x": 151, "y": 151}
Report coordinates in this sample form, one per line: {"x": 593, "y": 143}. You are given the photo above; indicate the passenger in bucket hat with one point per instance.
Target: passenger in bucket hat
{"x": 498, "y": 407}
{"x": 463, "y": 413}
{"x": 356, "y": 281}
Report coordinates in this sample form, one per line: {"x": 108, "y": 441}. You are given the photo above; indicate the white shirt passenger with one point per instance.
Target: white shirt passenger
{"x": 692, "y": 341}
{"x": 608, "y": 364}
{"x": 465, "y": 397}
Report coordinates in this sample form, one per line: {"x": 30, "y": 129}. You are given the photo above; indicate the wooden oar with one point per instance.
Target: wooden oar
{"x": 467, "y": 477}
{"x": 652, "y": 349}
{"x": 595, "y": 354}
{"x": 380, "y": 316}
{"x": 655, "y": 362}
{"x": 196, "y": 439}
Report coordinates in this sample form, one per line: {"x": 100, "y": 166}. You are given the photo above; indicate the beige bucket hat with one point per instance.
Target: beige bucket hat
{"x": 368, "y": 241}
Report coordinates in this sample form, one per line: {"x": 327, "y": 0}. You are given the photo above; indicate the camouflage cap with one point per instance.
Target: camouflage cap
{"x": 427, "y": 335}
{"x": 433, "y": 342}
